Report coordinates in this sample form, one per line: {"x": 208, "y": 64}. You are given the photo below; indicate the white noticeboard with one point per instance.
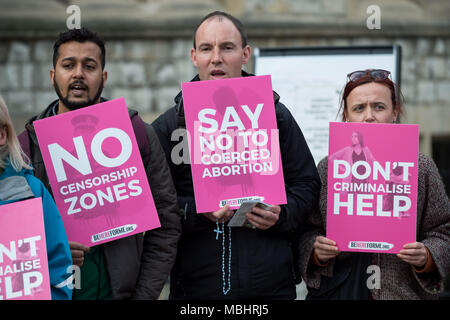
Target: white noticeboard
{"x": 310, "y": 82}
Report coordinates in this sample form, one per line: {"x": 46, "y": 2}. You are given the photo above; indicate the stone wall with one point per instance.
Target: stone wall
{"x": 148, "y": 43}
{"x": 148, "y": 73}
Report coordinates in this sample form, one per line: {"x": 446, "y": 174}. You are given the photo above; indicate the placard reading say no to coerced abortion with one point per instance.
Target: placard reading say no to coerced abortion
{"x": 96, "y": 173}
{"x": 234, "y": 144}
{"x": 372, "y": 186}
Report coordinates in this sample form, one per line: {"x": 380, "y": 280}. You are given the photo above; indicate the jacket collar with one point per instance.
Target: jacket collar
{"x": 50, "y": 111}
{"x": 14, "y": 185}
{"x": 179, "y": 97}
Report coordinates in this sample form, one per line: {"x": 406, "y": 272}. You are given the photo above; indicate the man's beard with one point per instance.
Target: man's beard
{"x": 74, "y": 105}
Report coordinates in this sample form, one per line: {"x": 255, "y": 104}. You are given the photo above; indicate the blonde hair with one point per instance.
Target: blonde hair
{"x": 11, "y": 148}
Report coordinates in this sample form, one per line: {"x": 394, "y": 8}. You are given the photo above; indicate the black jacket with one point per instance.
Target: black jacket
{"x": 139, "y": 265}
{"x": 261, "y": 261}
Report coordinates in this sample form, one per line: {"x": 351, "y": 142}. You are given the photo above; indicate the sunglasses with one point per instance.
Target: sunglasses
{"x": 375, "y": 74}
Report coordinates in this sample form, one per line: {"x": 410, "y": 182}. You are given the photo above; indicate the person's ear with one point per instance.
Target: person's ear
{"x": 344, "y": 116}
{"x": 105, "y": 77}
{"x": 395, "y": 115}
{"x": 246, "y": 55}
{"x": 194, "y": 57}
{"x": 3, "y": 135}
{"x": 52, "y": 77}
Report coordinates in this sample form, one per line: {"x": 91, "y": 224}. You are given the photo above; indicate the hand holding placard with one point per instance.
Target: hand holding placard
{"x": 325, "y": 249}
{"x": 221, "y": 215}
{"x": 77, "y": 250}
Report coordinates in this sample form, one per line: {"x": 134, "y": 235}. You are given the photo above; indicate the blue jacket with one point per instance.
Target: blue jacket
{"x": 58, "y": 251}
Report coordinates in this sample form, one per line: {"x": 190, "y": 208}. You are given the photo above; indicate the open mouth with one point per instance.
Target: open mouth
{"x": 78, "y": 89}
{"x": 217, "y": 73}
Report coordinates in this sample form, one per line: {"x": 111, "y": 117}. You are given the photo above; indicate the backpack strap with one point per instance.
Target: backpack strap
{"x": 181, "y": 122}
{"x": 24, "y": 140}
{"x": 141, "y": 138}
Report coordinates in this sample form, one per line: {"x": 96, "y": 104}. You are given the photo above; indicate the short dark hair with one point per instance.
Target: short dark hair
{"x": 238, "y": 24}
{"x": 78, "y": 35}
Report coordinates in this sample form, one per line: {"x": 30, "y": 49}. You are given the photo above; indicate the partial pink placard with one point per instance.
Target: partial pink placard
{"x": 233, "y": 142}
{"x": 23, "y": 253}
{"x": 372, "y": 186}
{"x": 96, "y": 173}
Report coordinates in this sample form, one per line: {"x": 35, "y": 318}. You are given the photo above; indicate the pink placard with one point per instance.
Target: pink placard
{"x": 372, "y": 186}
{"x": 23, "y": 252}
{"x": 96, "y": 173}
{"x": 233, "y": 142}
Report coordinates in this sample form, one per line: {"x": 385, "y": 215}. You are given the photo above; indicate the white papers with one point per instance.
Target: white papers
{"x": 240, "y": 220}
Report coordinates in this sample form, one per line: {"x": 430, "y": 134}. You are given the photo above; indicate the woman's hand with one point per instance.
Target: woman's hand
{"x": 414, "y": 253}
{"x": 325, "y": 249}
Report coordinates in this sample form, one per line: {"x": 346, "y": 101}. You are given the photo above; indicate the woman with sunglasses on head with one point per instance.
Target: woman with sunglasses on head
{"x": 419, "y": 270}
{"x": 18, "y": 183}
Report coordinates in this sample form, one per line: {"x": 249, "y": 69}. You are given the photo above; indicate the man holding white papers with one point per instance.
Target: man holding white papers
{"x": 215, "y": 261}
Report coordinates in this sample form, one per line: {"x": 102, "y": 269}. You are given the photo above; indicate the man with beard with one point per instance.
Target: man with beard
{"x": 133, "y": 267}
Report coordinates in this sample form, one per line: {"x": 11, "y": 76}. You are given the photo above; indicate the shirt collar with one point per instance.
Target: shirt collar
{"x": 55, "y": 108}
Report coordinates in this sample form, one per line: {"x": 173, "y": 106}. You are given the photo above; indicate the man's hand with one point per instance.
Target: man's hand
{"x": 77, "y": 250}
{"x": 221, "y": 215}
{"x": 263, "y": 219}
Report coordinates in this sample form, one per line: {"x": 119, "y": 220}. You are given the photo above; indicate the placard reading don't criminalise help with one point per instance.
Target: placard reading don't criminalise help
{"x": 372, "y": 186}
{"x": 96, "y": 173}
{"x": 23, "y": 252}
{"x": 233, "y": 142}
